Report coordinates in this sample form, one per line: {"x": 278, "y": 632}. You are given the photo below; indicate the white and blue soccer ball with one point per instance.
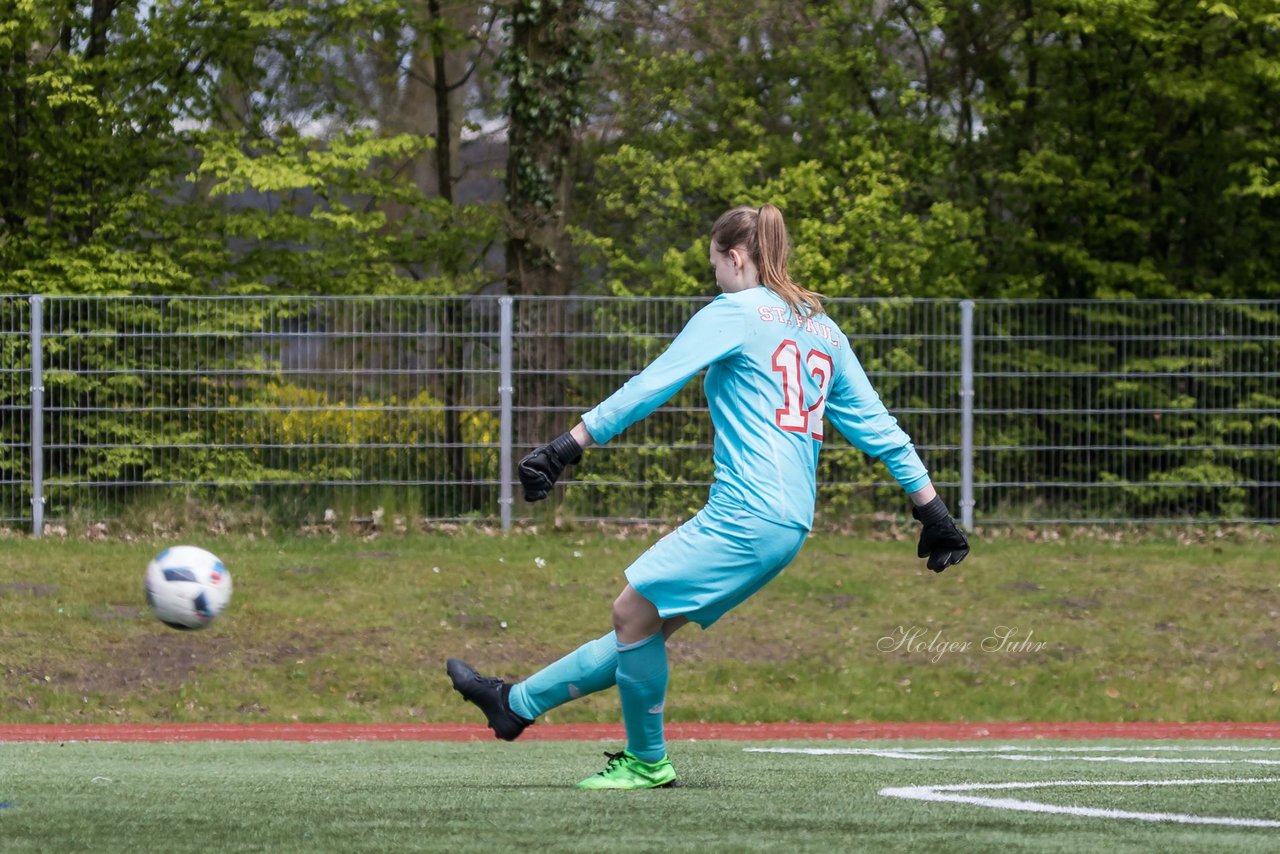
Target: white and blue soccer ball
{"x": 187, "y": 587}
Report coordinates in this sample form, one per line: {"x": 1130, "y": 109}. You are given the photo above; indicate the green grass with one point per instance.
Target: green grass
{"x": 1162, "y": 627}
{"x": 387, "y": 797}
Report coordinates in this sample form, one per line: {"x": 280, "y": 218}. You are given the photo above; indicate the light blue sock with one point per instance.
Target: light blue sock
{"x": 642, "y": 685}
{"x": 587, "y": 669}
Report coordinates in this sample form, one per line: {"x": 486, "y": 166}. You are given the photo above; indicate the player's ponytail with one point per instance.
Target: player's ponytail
{"x": 763, "y": 233}
{"x": 772, "y": 253}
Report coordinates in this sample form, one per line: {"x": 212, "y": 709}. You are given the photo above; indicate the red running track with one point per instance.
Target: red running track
{"x": 675, "y": 731}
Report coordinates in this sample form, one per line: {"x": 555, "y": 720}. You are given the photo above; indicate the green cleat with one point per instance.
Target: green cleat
{"x": 626, "y": 771}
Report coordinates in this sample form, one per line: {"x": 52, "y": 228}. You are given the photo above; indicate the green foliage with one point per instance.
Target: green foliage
{"x": 175, "y": 149}
{"x": 1086, "y": 149}
{"x": 846, "y": 215}
{"x": 771, "y": 120}
{"x": 1125, "y": 146}
{"x": 1006, "y": 149}
{"x": 1078, "y": 149}
{"x": 404, "y": 434}
{"x": 342, "y": 235}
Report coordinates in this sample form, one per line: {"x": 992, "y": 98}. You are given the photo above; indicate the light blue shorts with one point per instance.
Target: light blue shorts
{"x": 713, "y": 563}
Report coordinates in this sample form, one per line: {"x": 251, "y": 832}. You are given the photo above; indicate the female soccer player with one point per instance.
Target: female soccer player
{"x": 776, "y": 366}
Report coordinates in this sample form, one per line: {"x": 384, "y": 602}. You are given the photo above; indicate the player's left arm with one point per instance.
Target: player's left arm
{"x": 857, "y": 412}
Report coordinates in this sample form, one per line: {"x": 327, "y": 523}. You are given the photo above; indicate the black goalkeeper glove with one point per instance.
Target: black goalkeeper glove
{"x": 542, "y": 467}
{"x": 940, "y": 540}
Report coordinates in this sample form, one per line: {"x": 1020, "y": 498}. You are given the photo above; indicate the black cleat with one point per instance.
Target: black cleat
{"x": 490, "y": 694}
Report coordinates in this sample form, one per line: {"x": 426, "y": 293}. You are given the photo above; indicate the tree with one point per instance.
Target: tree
{"x": 545, "y": 66}
{"x": 1124, "y": 148}
{"x": 809, "y": 106}
{"x": 176, "y": 147}
{"x": 927, "y": 148}
{"x": 89, "y": 95}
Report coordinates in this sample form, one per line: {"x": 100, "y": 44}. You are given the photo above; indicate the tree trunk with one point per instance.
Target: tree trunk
{"x": 545, "y": 65}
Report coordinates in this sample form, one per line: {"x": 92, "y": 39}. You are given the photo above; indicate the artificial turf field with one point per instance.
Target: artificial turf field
{"x": 795, "y": 795}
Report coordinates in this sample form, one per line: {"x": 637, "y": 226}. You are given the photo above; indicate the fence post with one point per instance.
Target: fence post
{"x": 505, "y": 392}
{"x": 37, "y": 416}
{"x": 966, "y": 414}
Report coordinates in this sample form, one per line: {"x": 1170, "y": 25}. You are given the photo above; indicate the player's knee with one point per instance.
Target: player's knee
{"x": 634, "y": 617}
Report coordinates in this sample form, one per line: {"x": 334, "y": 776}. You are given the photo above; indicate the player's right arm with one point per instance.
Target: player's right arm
{"x": 714, "y": 333}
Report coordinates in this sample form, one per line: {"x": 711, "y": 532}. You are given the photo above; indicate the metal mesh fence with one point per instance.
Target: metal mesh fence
{"x": 1115, "y": 411}
{"x": 417, "y": 407}
{"x": 287, "y": 407}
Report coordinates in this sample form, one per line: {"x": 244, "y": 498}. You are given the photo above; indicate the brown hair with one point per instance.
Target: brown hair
{"x": 764, "y": 235}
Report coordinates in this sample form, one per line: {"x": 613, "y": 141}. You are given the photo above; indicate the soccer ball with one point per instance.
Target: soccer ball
{"x": 187, "y": 587}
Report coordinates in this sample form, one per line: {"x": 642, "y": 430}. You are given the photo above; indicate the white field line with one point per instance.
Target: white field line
{"x": 1010, "y": 757}
{"x": 1017, "y": 753}
{"x": 924, "y": 752}
{"x": 947, "y": 794}
{"x": 845, "y": 751}
{"x": 1158, "y": 760}
{"x": 1100, "y": 748}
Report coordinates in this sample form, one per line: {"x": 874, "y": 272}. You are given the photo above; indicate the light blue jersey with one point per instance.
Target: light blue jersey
{"x": 771, "y": 380}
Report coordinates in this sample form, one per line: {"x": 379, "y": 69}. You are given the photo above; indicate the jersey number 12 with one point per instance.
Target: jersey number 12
{"x": 794, "y": 416}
